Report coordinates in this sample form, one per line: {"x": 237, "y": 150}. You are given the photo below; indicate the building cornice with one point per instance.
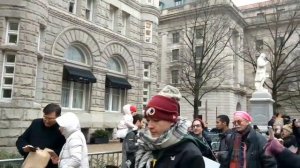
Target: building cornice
{"x": 150, "y": 10}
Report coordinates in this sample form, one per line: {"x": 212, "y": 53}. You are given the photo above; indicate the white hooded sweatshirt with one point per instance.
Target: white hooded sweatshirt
{"x": 126, "y": 123}
{"x": 74, "y": 153}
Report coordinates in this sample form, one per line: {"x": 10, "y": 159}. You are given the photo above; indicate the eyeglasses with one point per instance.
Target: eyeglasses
{"x": 237, "y": 122}
{"x": 197, "y": 126}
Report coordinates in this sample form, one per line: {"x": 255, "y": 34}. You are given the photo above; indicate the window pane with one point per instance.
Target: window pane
{"x": 10, "y": 58}
{"x": 9, "y": 69}
{"x": 115, "y": 99}
{"x": 13, "y": 26}
{"x": 146, "y": 85}
{"x": 65, "y": 93}
{"x": 8, "y": 81}
{"x": 75, "y": 54}
{"x": 12, "y": 38}
{"x": 114, "y": 65}
{"x": 71, "y": 7}
{"x": 6, "y": 93}
{"x": 146, "y": 74}
{"x": 78, "y": 95}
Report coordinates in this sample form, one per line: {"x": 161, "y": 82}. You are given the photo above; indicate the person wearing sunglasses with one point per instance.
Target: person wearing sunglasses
{"x": 246, "y": 147}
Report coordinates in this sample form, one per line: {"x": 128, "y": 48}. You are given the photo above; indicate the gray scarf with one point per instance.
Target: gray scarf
{"x": 147, "y": 143}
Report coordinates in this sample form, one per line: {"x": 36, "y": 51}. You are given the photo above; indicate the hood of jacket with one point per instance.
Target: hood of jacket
{"x": 69, "y": 123}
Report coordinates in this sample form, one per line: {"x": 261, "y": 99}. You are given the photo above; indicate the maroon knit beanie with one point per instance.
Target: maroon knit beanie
{"x": 162, "y": 108}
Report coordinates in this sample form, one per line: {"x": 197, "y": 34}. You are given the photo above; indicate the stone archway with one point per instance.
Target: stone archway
{"x": 71, "y": 35}
{"x": 119, "y": 49}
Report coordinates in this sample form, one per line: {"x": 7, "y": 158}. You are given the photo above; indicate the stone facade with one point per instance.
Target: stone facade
{"x": 37, "y": 36}
{"x": 45, "y": 31}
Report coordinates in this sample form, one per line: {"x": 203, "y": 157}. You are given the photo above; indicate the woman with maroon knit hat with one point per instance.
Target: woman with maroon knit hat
{"x": 166, "y": 142}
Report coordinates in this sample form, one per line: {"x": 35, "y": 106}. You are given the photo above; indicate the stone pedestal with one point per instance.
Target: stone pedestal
{"x": 261, "y": 108}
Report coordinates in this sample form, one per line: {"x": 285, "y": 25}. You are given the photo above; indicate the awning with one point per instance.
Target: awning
{"x": 117, "y": 82}
{"x": 79, "y": 75}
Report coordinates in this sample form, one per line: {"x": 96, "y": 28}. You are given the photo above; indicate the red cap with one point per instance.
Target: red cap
{"x": 162, "y": 108}
{"x": 133, "y": 109}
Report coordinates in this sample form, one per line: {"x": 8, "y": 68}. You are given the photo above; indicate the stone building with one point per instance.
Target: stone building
{"x": 89, "y": 56}
{"x": 174, "y": 21}
{"x": 249, "y": 29}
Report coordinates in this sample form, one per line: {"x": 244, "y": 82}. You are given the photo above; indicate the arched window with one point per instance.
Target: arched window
{"x": 74, "y": 53}
{"x": 116, "y": 86}
{"x": 77, "y": 79}
{"x": 114, "y": 65}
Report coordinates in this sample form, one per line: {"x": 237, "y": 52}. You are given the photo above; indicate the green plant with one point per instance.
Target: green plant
{"x": 99, "y": 133}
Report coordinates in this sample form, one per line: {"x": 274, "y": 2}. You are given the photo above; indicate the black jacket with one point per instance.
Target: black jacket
{"x": 184, "y": 154}
{"x": 223, "y": 148}
{"x": 129, "y": 148}
{"x": 288, "y": 159}
{"x": 255, "y": 153}
{"x": 38, "y": 135}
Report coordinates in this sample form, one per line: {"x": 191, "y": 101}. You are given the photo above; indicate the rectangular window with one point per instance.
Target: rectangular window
{"x": 72, "y": 6}
{"x": 74, "y": 94}
{"x": 175, "y": 76}
{"x": 259, "y": 45}
{"x": 148, "y": 32}
{"x": 114, "y": 99}
{"x": 89, "y": 9}
{"x": 178, "y": 2}
{"x": 147, "y": 68}
{"x": 12, "y": 34}
{"x": 199, "y": 33}
{"x": 8, "y": 75}
{"x": 176, "y": 37}
{"x": 146, "y": 93}
{"x": 198, "y": 52}
{"x": 125, "y": 20}
{"x": 113, "y": 17}
{"x": 175, "y": 55}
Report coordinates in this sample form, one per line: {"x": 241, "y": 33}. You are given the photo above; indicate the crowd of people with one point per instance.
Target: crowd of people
{"x": 160, "y": 138}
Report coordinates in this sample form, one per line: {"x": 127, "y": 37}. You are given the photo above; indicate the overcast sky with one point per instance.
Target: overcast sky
{"x": 246, "y": 2}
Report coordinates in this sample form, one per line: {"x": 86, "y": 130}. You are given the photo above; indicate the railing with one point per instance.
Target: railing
{"x": 11, "y": 163}
{"x": 105, "y": 159}
{"x": 96, "y": 160}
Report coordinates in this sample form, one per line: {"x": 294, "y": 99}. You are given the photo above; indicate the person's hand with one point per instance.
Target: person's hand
{"x": 29, "y": 148}
{"x": 273, "y": 147}
{"x": 54, "y": 159}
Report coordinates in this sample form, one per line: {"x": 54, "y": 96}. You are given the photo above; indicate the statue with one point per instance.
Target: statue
{"x": 261, "y": 73}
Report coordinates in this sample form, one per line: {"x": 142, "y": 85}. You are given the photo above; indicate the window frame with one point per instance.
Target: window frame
{"x": 175, "y": 51}
{"x": 176, "y": 37}
{"x": 7, "y": 75}
{"x": 12, "y": 32}
{"x": 150, "y": 29}
{"x": 86, "y": 93}
{"x": 74, "y": 6}
{"x": 147, "y": 70}
{"x": 110, "y": 99}
{"x": 147, "y": 96}
{"x": 175, "y": 76}
{"x": 89, "y": 10}
{"x": 178, "y": 2}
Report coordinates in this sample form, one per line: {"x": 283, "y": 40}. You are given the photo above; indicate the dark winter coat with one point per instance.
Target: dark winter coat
{"x": 223, "y": 148}
{"x": 184, "y": 154}
{"x": 129, "y": 147}
{"x": 38, "y": 135}
{"x": 255, "y": 153}
{"x": 288, "y": 159}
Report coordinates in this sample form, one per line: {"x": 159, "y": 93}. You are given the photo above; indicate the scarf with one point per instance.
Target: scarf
{"x": 148, "y": 144}
{"x": 239, "y": 154}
